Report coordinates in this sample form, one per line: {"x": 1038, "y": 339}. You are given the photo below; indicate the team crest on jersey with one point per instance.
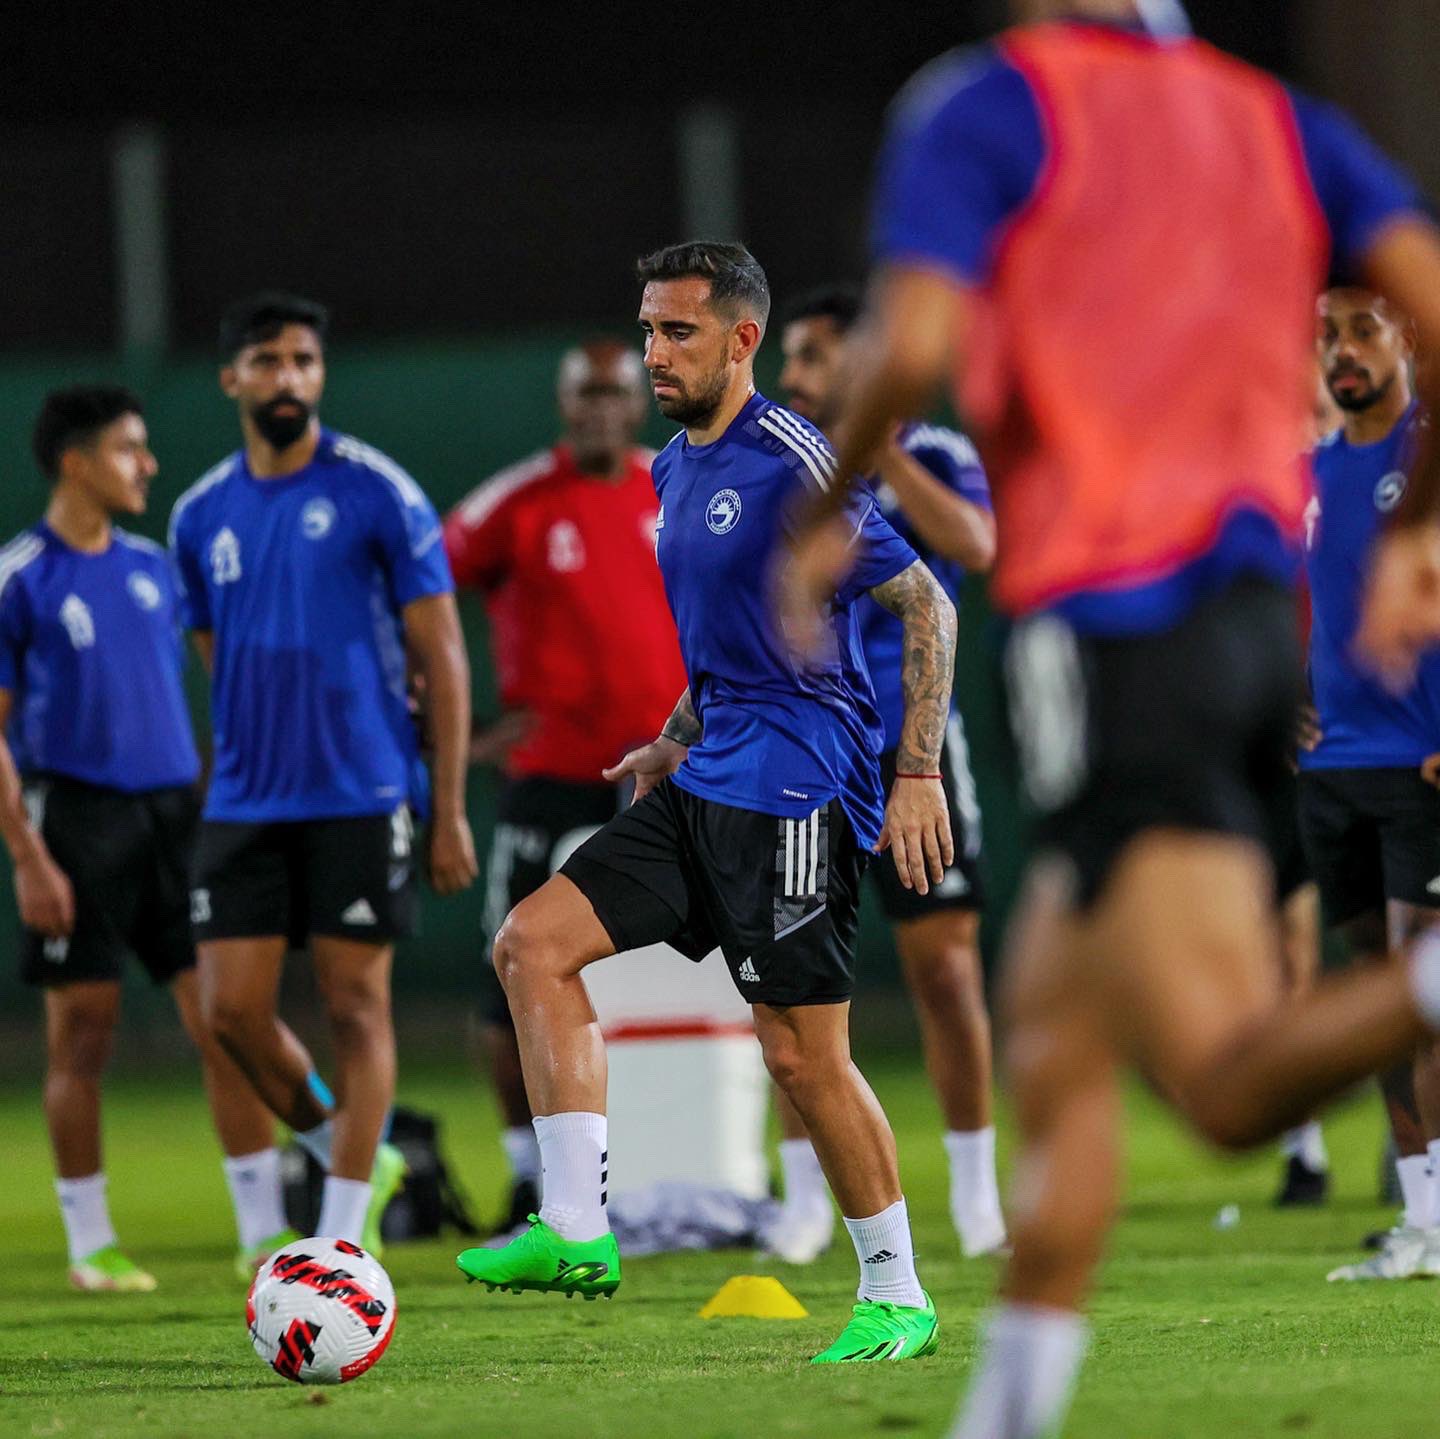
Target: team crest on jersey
{"x": 78, "y": 621}
{"x": 317, "y": 519}
{"x": 722, "y": 514}
{"x": 143, "y": 590}
{"x": 564, "y": 549}
{"x": 1389, "y": 491}
{"x": 225, "y": 557}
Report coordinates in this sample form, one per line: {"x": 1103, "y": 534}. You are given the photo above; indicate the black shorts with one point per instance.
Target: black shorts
{"x": 538, "y": 823}
{"x": 1371, "y": 835}
{"x": 128, "y": 860}
{"x": 961, "y": 888}
{"x": 780, "y": 897}
{"x": 353, "y": 878}
{"x": 1292, "y": 865}
{"x": 1187, "y": 729}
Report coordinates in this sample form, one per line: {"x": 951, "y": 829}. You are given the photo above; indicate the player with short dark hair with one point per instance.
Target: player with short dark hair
{"x": 311, "y": 567}
{"x": 1370, "y": 821}
{"x": 98, "y": 809}
{"x": 1112, "y": 240}
{"x": 931, "y": 487}
{"x": 754, "y": 812}
{"x": 562, "y": 546}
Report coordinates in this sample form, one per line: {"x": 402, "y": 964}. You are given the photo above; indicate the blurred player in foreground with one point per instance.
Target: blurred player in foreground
{"x": 101, "y": 834}
{"x": 1068, "y": 223}
{"x": 931, "y": 487}
{"x": 754, "y": 809}
{"x": 1370, "y": 821}
{"x": 311, "y": 566}
{"x": 562, "y": 545}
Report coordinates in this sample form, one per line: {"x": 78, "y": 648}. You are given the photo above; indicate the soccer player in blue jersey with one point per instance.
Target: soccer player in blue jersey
{"x": 98, "y": 808}
{"x": 311, "y": 567}
{"x": 930, "y": 486}
{"x": 1369, "y": 819}
{"x": 755, "y": 809}
{"x": 1037, "y": 200}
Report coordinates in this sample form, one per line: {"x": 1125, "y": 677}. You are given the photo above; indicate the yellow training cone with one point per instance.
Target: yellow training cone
{"x": 750, "y": 1296}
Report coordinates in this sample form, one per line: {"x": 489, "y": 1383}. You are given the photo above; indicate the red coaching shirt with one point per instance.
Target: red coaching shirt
{"x": 580, "y": 629}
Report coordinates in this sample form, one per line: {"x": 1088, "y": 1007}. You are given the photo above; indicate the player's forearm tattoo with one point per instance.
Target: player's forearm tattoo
{"x": 683, "y": 726}
{"x": 928, "y": 666}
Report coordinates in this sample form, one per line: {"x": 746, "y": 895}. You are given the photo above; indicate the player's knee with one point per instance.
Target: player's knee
{"x": 946, "y": 976}
{"x": 357, "y": 1009}
{"x": 228, "y": 1023}
{"x": 1225, "y": 1123}
{"x": 83, "y": 1045}
{"x": 527, "y": 945}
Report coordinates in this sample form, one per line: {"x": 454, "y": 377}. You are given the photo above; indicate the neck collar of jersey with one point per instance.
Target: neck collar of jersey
{"x": 745, "y": 411}
{"x": 323, "y": 452}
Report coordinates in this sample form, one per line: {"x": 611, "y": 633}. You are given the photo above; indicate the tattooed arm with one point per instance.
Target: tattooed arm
{"x": 917, "y": 817}
{"x": 660, "y": 758}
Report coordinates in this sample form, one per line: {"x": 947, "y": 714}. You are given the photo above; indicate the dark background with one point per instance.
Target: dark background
{"x": 439, "y": 168}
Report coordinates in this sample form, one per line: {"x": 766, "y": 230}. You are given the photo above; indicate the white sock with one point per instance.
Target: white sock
{"x": 974, "y": 1192}
{"x": 86, "y": 1213}
{"x": 522, "y": 1149}
{"x": 318, "y": 1142}
{"x": 1306, "y": 1142}
{"x": 575, "y": 1169}
{"x": 1433, "y": 1154}
{"x": 254, "y": 1181}
{"x": 804, "y": 1181}
{"x": 1414, "y": 1170}
{"x": 1021, "y": 1390}
{"x": 1424, "y": 973}
{"x": 342, "y": 1209}
{"x": 887, "y": 1257}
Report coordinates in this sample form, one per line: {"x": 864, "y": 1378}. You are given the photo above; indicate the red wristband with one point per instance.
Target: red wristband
{"x": 898, "y": 775}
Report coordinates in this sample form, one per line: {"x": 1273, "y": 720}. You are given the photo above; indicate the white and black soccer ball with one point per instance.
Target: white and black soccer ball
{"x": 321, "y": 1311}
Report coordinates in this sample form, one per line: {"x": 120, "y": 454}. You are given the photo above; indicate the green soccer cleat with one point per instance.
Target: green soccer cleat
{"x": 884, "y": 1331}
{"x": 387, "y": 1178}
{"x": 110, "y": 1270}
{"x": 540, "y": 1259}
{"x": 248, "y": 1261}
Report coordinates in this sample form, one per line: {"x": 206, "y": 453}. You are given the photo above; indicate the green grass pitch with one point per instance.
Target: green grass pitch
{"x": 1199, "y": 1333}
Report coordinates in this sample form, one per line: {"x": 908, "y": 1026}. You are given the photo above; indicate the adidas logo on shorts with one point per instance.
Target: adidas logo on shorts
{"x": 358, "y": 913}
{"x": 746, "y": 973}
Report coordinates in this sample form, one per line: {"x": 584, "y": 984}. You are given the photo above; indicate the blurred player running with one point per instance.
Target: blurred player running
{"x": 101, "y": 835}
{"x": 562, "y": 545}
{"x": 311, "y": 565}
{"x": 931, "y": 488}
{"x": 754, "y": 810}
{"x": 1370, "y": 822}
{"x": 1115, "y": 243}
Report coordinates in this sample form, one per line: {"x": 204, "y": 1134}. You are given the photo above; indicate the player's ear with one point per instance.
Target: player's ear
{"x": 229, "y": 384}
{"x": 745, "y": 338}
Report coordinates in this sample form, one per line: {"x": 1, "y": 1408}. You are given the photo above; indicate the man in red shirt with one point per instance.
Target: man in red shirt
{"x": 562, "y": 546}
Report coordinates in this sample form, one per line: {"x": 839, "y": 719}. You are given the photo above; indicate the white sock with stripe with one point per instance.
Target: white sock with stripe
{"x": 342, "y": 1209}
{"x": 887, "y": 1257}
{"x": 574, "y": 1163}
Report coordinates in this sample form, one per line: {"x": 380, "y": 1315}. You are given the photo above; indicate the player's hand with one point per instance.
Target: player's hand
{"x": 1430, "y": 769}
{"x": 1308, "y": 733}
{"x": 491, "y": 744}
{"x": 649, "y": 764}
{"x": 452, "y": 854}
{"x": 1400, "y": 617}
{"x": 805, "y": 586}
{"x": 917, "y": 832}
{"x": 45, "y": 897}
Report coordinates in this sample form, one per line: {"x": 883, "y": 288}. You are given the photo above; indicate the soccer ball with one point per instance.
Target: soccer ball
{"x": 321, "y": 1311}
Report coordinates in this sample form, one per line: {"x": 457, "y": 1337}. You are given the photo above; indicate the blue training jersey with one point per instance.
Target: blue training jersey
{"x": 951, "y": 458}
{"x": 1363, "y": 724}
{"x": 778, "y": 738}
{"x": 91, "y": 651}
{"x": 967, "y": 149}
{"x": 302, "y": 581}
